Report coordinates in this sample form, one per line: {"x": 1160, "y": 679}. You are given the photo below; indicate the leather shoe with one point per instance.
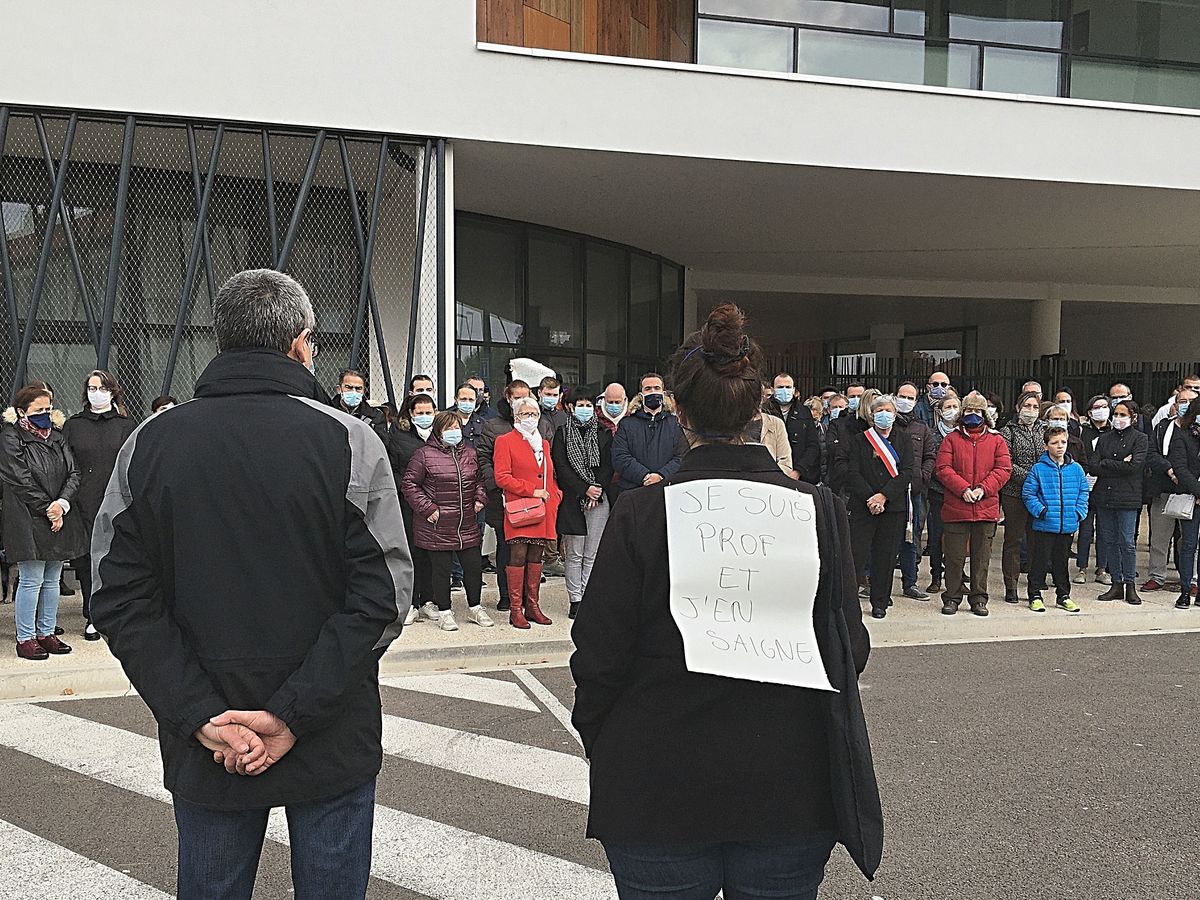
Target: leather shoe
{"x": 31, "y": 649}
{"x": 949, "y": 607}
{"x": 878, "y": 613}
{"x": 979, "y": 609}
{"x": 51, "y": 644}
{"x": 1116, "y": 592}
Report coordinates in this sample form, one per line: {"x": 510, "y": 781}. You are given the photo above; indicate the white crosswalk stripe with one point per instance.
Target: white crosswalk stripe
{"x": 414, "y": 852}
{"x": 36, "y": 869}
{"x": 464, "y": 687}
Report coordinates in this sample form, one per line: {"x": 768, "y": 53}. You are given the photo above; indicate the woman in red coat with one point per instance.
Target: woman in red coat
{"x": 973, "y": 463}
{"x": 524, "y": 470}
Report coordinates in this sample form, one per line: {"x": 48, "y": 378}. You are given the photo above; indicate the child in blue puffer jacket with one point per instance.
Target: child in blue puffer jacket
{"x": 1056, "y": 495}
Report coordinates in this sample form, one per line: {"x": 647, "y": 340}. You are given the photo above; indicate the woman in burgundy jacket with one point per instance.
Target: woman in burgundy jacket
{"x": 973, "y": 463}
{"x": 444, "y": 486}
{"x": 524, "y": 470}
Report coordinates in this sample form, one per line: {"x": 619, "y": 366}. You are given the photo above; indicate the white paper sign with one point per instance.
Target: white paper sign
{"x": 744, "y": 566}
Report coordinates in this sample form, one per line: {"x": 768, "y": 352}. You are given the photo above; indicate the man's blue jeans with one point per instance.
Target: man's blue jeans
{"x": 331, "y": 847}
{"x": 908, "y": 549}
{"x": 784, "y": 870}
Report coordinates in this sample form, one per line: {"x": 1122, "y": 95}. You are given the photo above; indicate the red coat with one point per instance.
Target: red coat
{"x": 518, "y": 475}
{"x": 966, "y": 462}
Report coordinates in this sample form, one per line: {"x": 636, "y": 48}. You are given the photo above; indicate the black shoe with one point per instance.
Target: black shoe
{"x": 878, "y": 613}
{"x": 1131, "y": 595}
{"x": 58, "y": 631}
{"x": 573, "y": 609}
{"x": 1184, "y": 602}
{"x": 915, "y": 593}
{"x": 979, "y": 609}
{"x": 456, "y": 584}
{"x": 1116, "y": 592}
{"x": 64, "y": 591}
{"x": 503, "y": 605}
{"x": 949, "y": 607}
{"x": 90, "y": 633}
{"x": 1010, "y": 595}
{"x": 489, "y": 569}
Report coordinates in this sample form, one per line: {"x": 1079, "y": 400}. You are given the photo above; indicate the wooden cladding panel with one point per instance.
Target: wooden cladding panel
{"x": 648, "y": 29}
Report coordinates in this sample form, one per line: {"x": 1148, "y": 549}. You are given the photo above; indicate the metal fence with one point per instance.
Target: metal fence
{"x": 119, "y": 230}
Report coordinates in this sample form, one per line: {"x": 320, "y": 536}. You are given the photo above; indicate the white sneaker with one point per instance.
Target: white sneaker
{"x": 1080, "y": 577}
{"x": 479, "y": 616}
{"x": 412, "y": 615}
{"x": 446, "y": 621}
{"x": 1103, "y": 578}
{"x": 430, "y": 612}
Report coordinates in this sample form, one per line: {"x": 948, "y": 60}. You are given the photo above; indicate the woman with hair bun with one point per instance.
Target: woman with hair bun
{"x": 661, "y": 730}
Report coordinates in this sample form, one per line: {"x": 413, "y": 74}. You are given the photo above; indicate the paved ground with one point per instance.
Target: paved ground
{"x": 1042, "y": 770}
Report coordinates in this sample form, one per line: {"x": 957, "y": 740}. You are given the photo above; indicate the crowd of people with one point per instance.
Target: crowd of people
{"x": 927, "y": 472}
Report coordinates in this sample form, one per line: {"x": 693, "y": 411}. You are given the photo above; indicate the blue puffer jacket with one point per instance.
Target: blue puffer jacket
{"x": 1056, "y": 496}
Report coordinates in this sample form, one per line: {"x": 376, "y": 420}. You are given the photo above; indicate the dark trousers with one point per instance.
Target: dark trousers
{"x": 934, "y": 532}
{"x": 330, "y": 841}
{"x": 1050, "y": 552}
{"x": 83, "y": 571}
{"x": 909, "y": 557}
{"x": 472, "y": 566}
{"x": 1017, "y": 530}
{"x": 956, "y": 538}
{"x": 876, "y": 540}
{"x": 422, "y": 576}
{"x": 503, "y": 556}
{"x": 791, "y": 870}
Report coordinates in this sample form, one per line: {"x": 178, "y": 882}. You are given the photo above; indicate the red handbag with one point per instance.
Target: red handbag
{"x": 527, "y": 510}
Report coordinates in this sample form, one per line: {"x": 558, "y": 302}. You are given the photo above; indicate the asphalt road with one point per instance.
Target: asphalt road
{"x": 1039, "y": 769}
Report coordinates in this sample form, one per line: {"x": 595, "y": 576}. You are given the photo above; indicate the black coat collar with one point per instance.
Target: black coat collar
{"x": 258, "y": 372}
{"x": 729, "y": 458}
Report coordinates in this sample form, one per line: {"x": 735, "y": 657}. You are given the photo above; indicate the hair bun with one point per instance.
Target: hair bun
{"x": 723, "y": 339}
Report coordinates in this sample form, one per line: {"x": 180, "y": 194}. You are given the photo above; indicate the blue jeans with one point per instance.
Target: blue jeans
{"x": 934, "y": 540}
{"x": 37, "y": 598}
{"x": 908, "y": 549}
{"x": 1087, "y": 533}
{"x": 1118, "y": 531}
{"x": 785, "y": 870}
{"x": 331, "y": 847}
{"x": 1187, "y": 552}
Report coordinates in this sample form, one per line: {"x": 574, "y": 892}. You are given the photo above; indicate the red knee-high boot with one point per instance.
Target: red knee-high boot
{"x": 533, "y": 587}
{"x": 516, "y": 585}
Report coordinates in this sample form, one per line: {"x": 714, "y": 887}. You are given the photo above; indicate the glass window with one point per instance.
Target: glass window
{"x": 1021, "y": 71}
{"x": 865, "y": 15}
{"x": 607, "y": 289}
{"x": 643, "y": 305}
{"x": 487, "y": 277}
{"x": 603, "y": 371}
{"x": 1030, "y": 23}
{"x": 672, "y": 310}
{"x": 888, "y": 59}
{"x": 555, "y": 307}
{"x": 1094, "y": 79}
{"x": 741, "y": 45}
{"x": 487, "y": 362}
{"x": 568, "y": 368}
{"x": 1146, "y": 29}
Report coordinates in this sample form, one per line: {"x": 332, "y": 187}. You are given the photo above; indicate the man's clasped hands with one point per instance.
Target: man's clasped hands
{"x": 246, "y": 742}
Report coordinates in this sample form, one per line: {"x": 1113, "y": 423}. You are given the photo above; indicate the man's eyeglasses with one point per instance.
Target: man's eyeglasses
{"x": 939, "y": 384}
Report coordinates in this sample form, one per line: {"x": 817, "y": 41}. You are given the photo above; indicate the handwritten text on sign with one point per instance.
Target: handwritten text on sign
{"x": 744, "y": 570}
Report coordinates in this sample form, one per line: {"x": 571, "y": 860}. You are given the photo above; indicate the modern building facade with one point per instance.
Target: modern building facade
{"x": 579, "y": 180}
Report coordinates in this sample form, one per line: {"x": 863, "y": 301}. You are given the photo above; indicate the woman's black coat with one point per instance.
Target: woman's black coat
{"x": 35, "y": 473}
{"x": 1184, "y": 455}
{"x": 1118, "y": 483}
{"x": 866, "y": 475}
{"x": 570, "y": 511}
{"x": 679, "y": 756}
{"x": 95, "y": 439}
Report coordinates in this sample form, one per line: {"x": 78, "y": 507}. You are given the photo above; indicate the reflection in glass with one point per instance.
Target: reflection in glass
{"x": 1094, "y": 79}
{"x": 866, "y": 15}
{"x": 643, "y": 305}
{"x": 1147, "y": 29}
{"x": 671, "y": 319}
{"x": 554, "y": 302}
{"x": 741, "y": 45}
{"x": 1030, "y": 23}
{"x": 607, "y": 298}
{"x": 1021, "y": 71}
{"x": 888, "y": 59}
{"x": 487, "y": 276}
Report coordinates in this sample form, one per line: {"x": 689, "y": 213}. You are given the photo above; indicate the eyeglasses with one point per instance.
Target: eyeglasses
{"x": 528, "y": 415}
{"x": 939, "y": 384}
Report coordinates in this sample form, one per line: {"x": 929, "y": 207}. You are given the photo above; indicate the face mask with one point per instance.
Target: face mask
{"x": 1027, "y": 416}
{"x": 784, "y": 394}
{"x": 452, "y": 437}
{"x": 1115, "y": 400}
{"x": 528, "y": 426}
{"x": 584, "y": 414}
{"x": 992, "y": 413}
{"x": 653, "y": 401}
{"x": 423, "y": 420}
{"x": 972, "y": 420}
{"x": 1099, "y": 414}
{"x": 854, "y": 404}
{"x": 1057, "y": 423}
{"x": 99, "y": 399}
{"x": 905, "y": 404}
{"x": 466, "y": 407}
{"x": 1065, "y": 406}
{"x": 352, "y": 398}
{"x": 40, "y": 420}
{"x": 549, "y": 402}
{"x": 1182, "y": 408}
{"x": 937, "y": 393}
{"x": 614, "y": 409}
{"x": 1121, "y": 422}
{"x": 949, "y": 414}
{"x": 834, "y": 412}
{"x": 884, "y": 419}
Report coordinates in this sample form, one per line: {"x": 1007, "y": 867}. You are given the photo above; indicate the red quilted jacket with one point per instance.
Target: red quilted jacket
{"x": 448, "y": 480}
{"x": 969, "y": 462}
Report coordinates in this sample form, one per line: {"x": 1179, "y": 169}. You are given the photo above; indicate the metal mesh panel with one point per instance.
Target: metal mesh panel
{"x": 123, "y": 275}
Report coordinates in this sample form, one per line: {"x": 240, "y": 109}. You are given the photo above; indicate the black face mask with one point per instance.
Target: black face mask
{"x": 653, "y": 402}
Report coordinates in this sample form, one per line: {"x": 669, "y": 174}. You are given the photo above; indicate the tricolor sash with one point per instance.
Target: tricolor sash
{"x": 891, "y": 461}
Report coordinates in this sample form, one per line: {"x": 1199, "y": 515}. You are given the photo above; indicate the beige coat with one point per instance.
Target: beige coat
{"x": 775, "y": 439}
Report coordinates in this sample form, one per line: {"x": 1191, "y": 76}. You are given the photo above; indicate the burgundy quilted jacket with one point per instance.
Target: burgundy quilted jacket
{"x": 449, "y": 480}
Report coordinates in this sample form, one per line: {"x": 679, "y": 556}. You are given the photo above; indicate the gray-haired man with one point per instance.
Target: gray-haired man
{"x": 250, "y": 569}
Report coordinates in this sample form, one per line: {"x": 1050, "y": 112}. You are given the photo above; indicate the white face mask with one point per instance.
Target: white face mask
{"x": 905, "y": 404}
{"x": 1099, "y": 414}
{"x": 1121, "y": 422}
{"x": 99, "y": 398}
{"x": 992, "y": 413}
{"x": 949, "y": 413}
{"x": 528, "y": 426}
{"x": 1065, "y": 406}
{"x": 1027, "y": 416}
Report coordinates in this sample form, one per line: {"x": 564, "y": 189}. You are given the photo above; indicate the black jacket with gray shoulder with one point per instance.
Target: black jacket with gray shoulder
{"x": 250, "y": 554}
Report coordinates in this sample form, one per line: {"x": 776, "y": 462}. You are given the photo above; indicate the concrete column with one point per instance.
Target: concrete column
{"x": 691, "y": 311}
{"x": 1045, "y": 327}
{"x": 888, "y": 339}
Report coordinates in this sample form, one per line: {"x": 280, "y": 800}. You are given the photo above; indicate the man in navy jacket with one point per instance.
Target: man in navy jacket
{"x": 649, "y": 444}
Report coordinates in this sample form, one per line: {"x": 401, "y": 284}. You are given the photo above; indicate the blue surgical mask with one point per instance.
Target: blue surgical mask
{"x": 1182, "y": 408}
{"x": 423, "y": 420}
{"x": 352, "y": 398}
{"x": 549, "y": 402}
{"x": 614, "y": 409}
{"x": 466, "y": 407}
{"x": 835, "y": 411}
{"x": 40, "y": 420}
{"x": 937, "y": 393}
{"x": 972, "y": 419}
{"x": 452, "y": 437}
{"x": 854, "y": 404}
{"x": 784, "y": 394}
{"x": 584, "y": 414}
{"x": 884, "y": 419}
